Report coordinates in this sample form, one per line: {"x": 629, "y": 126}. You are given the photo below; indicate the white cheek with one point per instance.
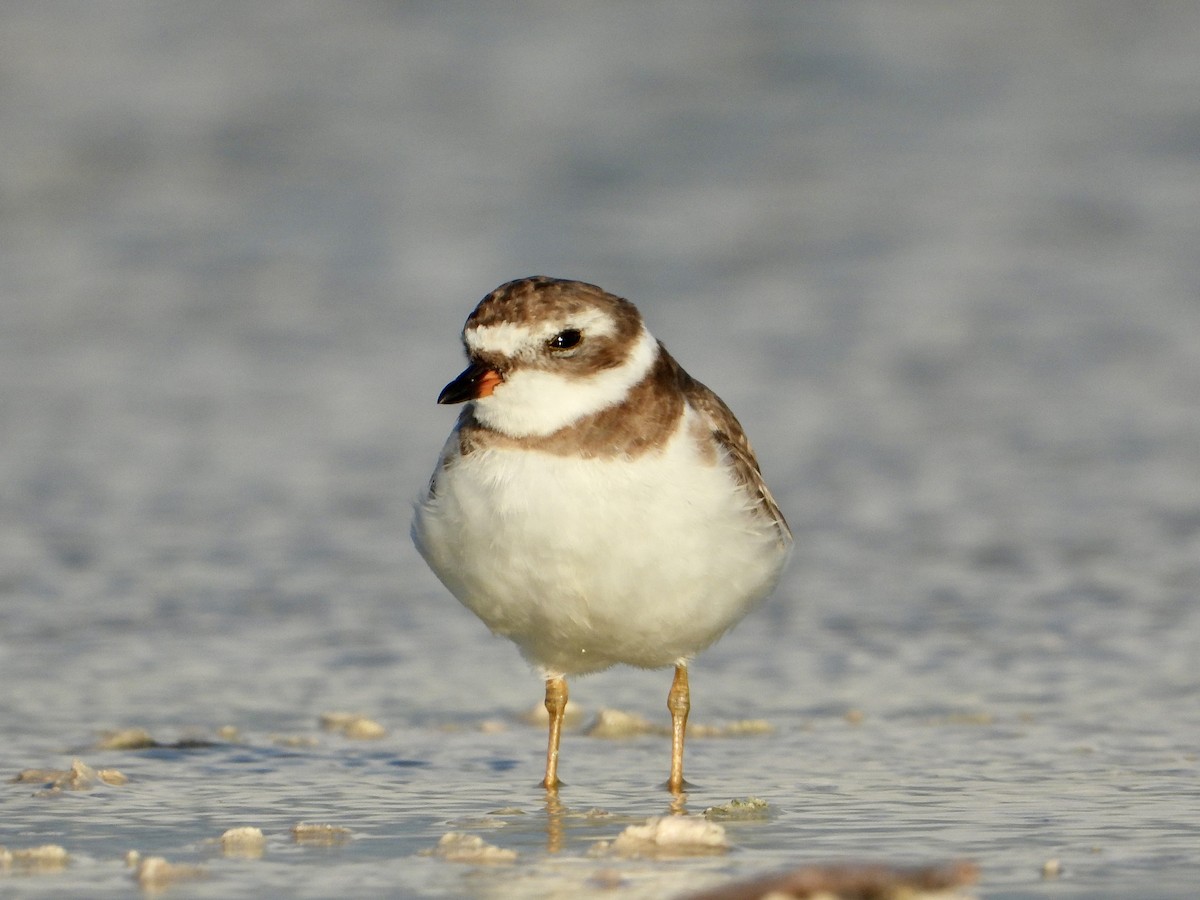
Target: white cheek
{"x": 534, "y": 402}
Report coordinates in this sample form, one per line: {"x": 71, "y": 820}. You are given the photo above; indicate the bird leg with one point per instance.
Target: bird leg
{"x": 556, "y": 705}
{"x": 679, "y": 702}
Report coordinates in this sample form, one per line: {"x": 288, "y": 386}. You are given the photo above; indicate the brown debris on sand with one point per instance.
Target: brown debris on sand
{"x": 854, "y": 882}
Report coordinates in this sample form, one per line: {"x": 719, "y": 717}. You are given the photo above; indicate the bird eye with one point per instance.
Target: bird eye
{"x": 565, "y": 339}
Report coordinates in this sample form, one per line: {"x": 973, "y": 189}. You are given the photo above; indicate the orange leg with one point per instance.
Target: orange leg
{"x": 556, "y": 705}
{"x": 679, "y": 702}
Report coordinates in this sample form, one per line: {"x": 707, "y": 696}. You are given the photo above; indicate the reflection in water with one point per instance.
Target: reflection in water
{"x": 554, "y": 821}
{"x": 678, "y": 805}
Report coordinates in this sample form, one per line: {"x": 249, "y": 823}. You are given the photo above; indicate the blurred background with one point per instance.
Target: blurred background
{"x": 940, "y": 257}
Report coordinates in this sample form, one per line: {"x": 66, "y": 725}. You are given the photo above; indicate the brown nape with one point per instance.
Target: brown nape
{"x": 641, "y": 424}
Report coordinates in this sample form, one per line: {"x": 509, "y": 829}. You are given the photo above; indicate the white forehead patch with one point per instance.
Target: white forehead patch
{"x": 535, "y": 402}
{"x": 511, "y": 339}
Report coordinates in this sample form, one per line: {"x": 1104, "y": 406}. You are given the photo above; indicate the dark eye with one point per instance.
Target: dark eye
{"x": 565, "y": 339}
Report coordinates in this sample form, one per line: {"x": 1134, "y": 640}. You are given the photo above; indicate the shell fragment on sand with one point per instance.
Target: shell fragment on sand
{"x": 45, "y": 858}
{"x": 352, "y": 726}
{"x": 155, "y": 872}
{"x": 245, "y": 842}
{"x": 664, "y": 836}
{"x": 80, "y": 777}
{"x": 458, "y": 846}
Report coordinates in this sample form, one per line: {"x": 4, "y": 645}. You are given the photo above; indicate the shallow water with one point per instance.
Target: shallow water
{"x": 940, "y": 259}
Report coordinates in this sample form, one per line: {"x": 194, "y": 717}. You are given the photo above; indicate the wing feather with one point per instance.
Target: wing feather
{"x": 728, "y": 432}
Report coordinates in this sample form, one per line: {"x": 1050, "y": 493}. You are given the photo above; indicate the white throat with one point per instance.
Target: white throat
{"x": 534, "y": 402}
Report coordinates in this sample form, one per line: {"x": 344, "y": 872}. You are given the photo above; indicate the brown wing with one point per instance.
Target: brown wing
{"x": 720, "y": 420}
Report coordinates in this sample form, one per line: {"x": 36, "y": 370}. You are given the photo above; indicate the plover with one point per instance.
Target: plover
{"x": 595, "y": 504}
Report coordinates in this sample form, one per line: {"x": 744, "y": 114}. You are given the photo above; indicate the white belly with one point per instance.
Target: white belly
{"x": 589, "y": 563}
